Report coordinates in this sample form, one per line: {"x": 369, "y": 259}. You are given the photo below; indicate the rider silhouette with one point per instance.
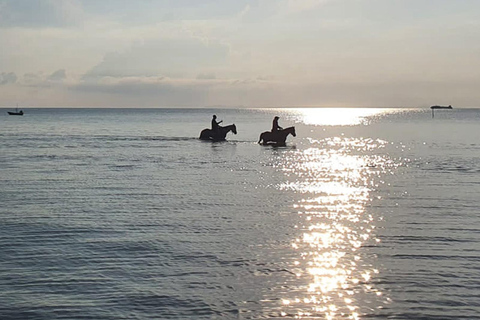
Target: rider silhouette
{"x": 275, "y": 126}
{"x": 215, "y": 124}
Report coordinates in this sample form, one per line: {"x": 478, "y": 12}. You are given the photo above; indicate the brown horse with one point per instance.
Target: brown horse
{"x": 208, "y": 134}
{"x": 277, "y": 138}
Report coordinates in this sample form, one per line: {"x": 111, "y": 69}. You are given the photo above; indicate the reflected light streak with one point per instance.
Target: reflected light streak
{"x": 335, "y": 184}
{"x": 338, "y": 117}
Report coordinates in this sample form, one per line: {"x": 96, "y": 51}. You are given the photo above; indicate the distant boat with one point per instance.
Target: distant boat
{"x": 441, "y": 107}
{"x": 16, "y": 112}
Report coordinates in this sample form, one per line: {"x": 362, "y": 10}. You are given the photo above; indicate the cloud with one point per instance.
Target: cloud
{"x": 165, "y": 91}
{"x": 39, "y": 13}
{"x": 41, "y": 80}
{"x": 206, "y": 76}
{"x": 144, "y": 91}
{"x": 232, "y": 52}
{"x": 6, "y": 78}
{"x": 58, "y": 75}
{"x": 163, "y": 57}
{"x": 33, "y": 79}
{"x": 294, "y": 6}
{"x": 136, "y": 13}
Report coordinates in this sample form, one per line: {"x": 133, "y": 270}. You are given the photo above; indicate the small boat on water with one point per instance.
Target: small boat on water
{"x": 16, "y": 112}
{"x": 441, "y": 107}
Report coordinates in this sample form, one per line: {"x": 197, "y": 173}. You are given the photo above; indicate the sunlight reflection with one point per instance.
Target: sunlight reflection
{"x": 335, "y": 178}
{"x": 338, "y": 116}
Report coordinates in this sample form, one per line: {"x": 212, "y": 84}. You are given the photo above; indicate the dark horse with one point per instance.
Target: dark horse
{"x": 208, "y": 134}
{"x": 277, "y": 138}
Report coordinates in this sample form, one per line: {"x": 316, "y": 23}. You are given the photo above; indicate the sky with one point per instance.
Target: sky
{"x": 239, "y": 53}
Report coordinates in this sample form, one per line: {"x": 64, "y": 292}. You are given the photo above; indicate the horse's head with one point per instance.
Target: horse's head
{"x": 293, "y": 132}
{"x": 234, "y": 129}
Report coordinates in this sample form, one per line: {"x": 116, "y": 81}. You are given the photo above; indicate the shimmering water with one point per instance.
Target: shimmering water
{"x": 125, "y": 214}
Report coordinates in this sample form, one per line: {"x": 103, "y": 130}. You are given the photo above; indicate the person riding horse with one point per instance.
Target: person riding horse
{"x": 275, "y": 126}
{"x": 217, "y": 132}
{"x": 215, "y": 124}
{"x": 277, "y": 136}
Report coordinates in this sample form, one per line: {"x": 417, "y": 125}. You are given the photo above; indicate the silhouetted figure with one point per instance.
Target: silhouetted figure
{"x": 277, "y": 138}
{"x": 16, "y": 112}
{"x": 209, "y": 134}
{"x": 275, "y": 126}
{"x": 215, "y": 124}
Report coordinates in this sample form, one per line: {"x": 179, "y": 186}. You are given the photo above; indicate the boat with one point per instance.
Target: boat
{"x": 16, "y": 112}
{"x": 441, "y": 107}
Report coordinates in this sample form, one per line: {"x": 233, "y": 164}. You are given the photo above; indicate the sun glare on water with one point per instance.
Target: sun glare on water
{"x": 334, "y": 177}
{"x": 337, "y": 116}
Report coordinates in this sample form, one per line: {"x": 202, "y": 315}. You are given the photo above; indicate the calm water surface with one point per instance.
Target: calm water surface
{"x": 125, "y": 214}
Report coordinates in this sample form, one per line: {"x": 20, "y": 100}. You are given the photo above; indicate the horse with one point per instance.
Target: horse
{"x": 209, "y": 134}
{"x": 277, "y": 138}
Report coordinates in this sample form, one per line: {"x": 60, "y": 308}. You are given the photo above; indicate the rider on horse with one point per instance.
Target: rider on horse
{"x": 217, "y": 132}
{"x": 215, "y": 124}
{"x": 275, "y": 126}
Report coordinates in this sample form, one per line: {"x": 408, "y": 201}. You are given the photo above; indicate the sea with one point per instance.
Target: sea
{"x": 367, "y": 213}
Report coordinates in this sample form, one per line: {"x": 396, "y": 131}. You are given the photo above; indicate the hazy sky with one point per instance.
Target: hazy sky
{"x": 254, "y": 53}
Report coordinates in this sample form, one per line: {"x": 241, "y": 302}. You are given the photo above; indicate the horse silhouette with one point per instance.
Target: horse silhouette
{"x": 277, "y": 138}
{"x": 209, "y": 134}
